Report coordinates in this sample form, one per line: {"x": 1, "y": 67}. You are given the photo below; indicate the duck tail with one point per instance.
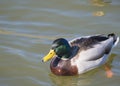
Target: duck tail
{"x": 115, "y": 38}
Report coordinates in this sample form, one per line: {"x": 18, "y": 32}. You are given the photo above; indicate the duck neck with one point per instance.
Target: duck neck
{"x": 66, "y": 56}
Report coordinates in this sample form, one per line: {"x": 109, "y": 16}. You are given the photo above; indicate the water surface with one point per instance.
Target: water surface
{"x": 28, "y": 27}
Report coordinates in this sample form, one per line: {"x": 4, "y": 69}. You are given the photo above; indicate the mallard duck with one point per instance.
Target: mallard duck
{"x": 80, "y": 54}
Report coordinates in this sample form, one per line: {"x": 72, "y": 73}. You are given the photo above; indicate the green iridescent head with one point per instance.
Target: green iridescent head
{"x": 61, "y": 48}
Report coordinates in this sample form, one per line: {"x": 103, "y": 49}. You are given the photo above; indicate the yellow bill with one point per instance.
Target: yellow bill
{"x": 49, "y": 56}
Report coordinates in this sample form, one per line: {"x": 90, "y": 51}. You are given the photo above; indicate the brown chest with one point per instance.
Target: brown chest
{"x": 64, "y": 68}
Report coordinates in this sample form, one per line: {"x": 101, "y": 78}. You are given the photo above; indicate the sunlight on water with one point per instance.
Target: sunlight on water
{"x": 27, "y": 29}
{"x": 23, "y": 35}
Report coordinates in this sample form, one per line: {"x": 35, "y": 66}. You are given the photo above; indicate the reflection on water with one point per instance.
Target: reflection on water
{"x": 101, "y": 3}
{"x": 28, "y": 27}
{"x": 24, "y": 35}
{"x": 99, "y": 13}
{"x": 70, "y": 80}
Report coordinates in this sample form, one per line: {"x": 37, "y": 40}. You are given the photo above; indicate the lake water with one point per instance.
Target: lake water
{"x": 28, "y": 27}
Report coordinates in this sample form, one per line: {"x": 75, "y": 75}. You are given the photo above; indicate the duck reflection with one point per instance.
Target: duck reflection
{"x": 69, "y": 80}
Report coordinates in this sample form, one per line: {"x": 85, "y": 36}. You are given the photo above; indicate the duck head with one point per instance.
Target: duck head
{"x": 61, "y": 48}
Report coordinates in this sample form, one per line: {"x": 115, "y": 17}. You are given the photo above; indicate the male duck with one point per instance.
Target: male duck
{"x": 81, "y": 54}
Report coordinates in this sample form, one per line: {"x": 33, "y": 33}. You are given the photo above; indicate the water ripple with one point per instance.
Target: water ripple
{"x": 26, "y": 78}
{"x": 27, "y": 23}
{"x": 35, "y": 80}
{"x": 68, "y": 13}
{"x": 28, "y": 56}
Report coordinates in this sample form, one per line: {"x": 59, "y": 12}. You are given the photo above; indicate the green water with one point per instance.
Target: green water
{"x": 28, "y": 27}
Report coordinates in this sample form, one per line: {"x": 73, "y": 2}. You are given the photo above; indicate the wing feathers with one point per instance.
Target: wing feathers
{"x": 94, "y": 47}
